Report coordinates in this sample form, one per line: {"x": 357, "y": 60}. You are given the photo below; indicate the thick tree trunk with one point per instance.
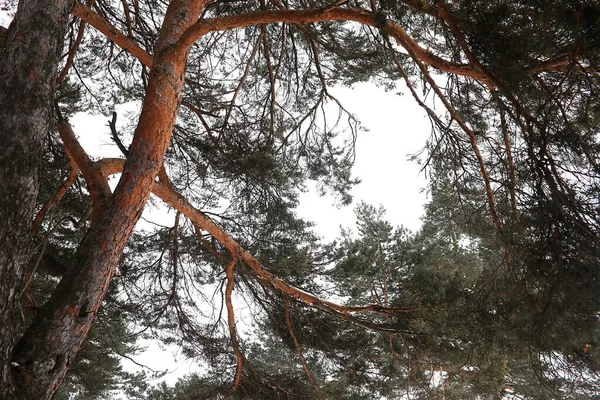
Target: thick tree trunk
{"x": 33, "y": 45}
{"x": 44, "y": 353}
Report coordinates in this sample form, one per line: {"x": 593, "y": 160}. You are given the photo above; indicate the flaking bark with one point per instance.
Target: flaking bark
{"x": 33, "y": 45}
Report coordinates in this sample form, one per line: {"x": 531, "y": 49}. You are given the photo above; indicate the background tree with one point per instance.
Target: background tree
{"x": 514, "y": 162}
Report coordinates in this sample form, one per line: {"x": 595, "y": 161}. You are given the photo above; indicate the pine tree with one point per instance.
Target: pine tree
{"x": 235, "y": 116}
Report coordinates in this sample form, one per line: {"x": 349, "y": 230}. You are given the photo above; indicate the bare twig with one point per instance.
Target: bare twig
{"x": 112, "y": 124}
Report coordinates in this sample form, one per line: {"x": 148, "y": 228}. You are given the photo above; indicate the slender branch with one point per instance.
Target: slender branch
{"x": 266, "y": 50}
{"x": 208, "y": 246}
{"x": 73, "y": 50}
{"x": 177, "y": 201}
{"x": 239, "y": 85}
{"x": 175, "y": 255}
{"x": 511, "y": 163}
{"x": 309, "y": 375}
{"x": 112, "y": 124}
{"x": 127, "y": 18}
{"x": 121, "y": 354}
{"x": 231, "y": 323}
{"x": 470, "y": 134}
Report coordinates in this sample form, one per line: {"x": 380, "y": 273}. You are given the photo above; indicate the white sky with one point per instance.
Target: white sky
{"x": 398, "y": 128}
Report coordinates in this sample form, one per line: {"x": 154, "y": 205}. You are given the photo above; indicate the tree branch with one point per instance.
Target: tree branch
{"x": 97, "y": 183}
{"x": 112, "y": 33}
{"x": 112, "y": 124}
{"x": 302, "y": 17}
{"x": 180, "y": 203}
{"x": 72, "y": 51}
{"x": 231, "y": 323}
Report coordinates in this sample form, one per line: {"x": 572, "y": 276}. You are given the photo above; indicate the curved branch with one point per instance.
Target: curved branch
{"x": 302, "y": 17}
{"x": 309, "y": 375}
{"x": 71, "y": 56}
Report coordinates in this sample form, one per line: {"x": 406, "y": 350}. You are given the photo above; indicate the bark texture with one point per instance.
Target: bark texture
{"x": 44, "y": 353}
{"x": 33, "y": 45}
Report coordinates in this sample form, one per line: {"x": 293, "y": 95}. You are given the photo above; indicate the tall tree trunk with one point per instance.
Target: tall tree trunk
{"x": 44, "y": 353}
{"x": 31, "y": 56}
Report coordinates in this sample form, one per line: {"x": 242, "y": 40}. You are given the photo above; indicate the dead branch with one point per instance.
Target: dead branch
{"x": 112, "y": 124}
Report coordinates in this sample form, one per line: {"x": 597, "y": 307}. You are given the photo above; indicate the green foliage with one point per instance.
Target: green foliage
{"x": 484, "y": 302}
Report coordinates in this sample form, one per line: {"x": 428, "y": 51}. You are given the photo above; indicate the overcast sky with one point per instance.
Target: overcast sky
{"x": 397, "y": 128}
